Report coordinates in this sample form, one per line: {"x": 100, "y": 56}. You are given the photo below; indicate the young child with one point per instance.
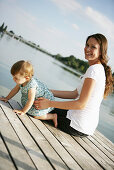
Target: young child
{"x": 31, "y": 89}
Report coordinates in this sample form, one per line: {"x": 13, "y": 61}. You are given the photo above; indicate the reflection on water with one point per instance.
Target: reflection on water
{"x": 49, "y": 71}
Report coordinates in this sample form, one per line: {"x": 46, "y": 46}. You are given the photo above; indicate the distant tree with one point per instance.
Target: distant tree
{"x": 2, "y": 27}
{"x": 5, "y": 28}
{"x": 73, "y": 62}
{"x": 11, "y": 32}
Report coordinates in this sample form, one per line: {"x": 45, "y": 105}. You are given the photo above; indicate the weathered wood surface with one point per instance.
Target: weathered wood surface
{"x": 27, "y": 143}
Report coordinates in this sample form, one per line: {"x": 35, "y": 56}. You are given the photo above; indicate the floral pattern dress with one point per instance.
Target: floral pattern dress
{"x": 41, "y": 91}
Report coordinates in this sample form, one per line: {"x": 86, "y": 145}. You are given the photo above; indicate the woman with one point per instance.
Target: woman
{"x": 80, "y": 116}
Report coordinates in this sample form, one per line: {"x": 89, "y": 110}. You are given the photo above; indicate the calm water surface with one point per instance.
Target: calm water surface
{"x": 51, "y": 73}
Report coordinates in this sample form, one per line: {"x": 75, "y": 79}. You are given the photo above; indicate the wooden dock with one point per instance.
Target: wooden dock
{"x": 27, "y": 143}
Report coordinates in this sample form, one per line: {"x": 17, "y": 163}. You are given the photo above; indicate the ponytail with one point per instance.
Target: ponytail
{"x": 104, "y": 60}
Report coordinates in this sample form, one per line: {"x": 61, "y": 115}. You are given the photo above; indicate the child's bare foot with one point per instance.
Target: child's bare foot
{"x": 55, "y": 119}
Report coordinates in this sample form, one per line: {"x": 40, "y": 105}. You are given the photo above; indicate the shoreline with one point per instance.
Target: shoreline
{"x": 37, "y": 47}
{"x": 70, "y": 68}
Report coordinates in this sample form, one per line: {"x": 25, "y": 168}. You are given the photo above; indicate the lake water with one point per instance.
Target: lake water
{"x": 51, "y": 73}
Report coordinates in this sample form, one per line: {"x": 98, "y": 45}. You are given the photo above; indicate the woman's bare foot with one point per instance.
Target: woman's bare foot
{"x": 55, "y": 119}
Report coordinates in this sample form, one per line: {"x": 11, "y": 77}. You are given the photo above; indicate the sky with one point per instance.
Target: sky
{"x": 60, "y": 26}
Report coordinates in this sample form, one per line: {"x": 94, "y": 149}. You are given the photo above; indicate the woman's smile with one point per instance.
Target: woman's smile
{"x": 92, "y": 50}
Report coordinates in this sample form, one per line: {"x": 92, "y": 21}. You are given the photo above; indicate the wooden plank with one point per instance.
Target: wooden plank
{"x": 40, "y": 139}
{"x": 31, "y": 147}
{"x": 107, "y": 151}
{"x": 75, "y": 150}
{"x": 108, "y": 145}
{"x": 65, "y": 156}
{"x": 14, "y": 145}
{"x": 93, "y": 154}
{"x": 99, "y": 149}
{"x": 48, "y": 150}
{"x": 102, "y": 138}
{"x": 5, "y": 159}
{"x": 51, "y": 141}
{"x": 52, "y": 148}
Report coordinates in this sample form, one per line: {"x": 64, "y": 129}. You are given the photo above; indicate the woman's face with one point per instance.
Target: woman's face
{"x": 92, "y": 50}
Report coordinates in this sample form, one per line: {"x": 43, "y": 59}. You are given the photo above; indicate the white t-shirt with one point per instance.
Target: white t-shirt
{"x": 86, "y": 120}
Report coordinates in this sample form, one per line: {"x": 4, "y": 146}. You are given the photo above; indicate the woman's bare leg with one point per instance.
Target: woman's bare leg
{"x": 48, "y": 116}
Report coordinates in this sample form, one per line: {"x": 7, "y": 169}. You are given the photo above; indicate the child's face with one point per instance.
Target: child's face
{"x": 19, "y": 79}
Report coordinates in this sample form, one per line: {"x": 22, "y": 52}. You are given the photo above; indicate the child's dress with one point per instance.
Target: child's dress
{"x": 41, "y": 91}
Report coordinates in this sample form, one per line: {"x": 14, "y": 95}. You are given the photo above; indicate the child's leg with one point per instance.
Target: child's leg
{"x": 48, "y": 116}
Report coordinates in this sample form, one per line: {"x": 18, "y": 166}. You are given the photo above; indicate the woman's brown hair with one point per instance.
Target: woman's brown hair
{"x": 102, "y": 41}
{"x": 22, "y": 67}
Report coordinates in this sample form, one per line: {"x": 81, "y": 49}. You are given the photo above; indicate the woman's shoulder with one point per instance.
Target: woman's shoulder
{"x": 97, "y": 68}
{"x": 95, "y": 71}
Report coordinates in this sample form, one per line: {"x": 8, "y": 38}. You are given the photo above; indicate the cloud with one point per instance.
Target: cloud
{"x": 56, "y": 39}
{"x": 101, "y": 20}
{"x": 75, "y": 26}
{"x": 14, "y": 13}
{"x": 28, "y": 16}
{"x": 67, "y": 5}
{"x": 25, "y": 19}
{"x": 18, "y": 20}
{"x": 55, "y": 32}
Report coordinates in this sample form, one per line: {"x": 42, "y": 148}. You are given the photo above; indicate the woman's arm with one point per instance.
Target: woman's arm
{"x": 79, "y": 104}
{"x": 65, "y": 94}
{"x": 12, "y": 93}
{"x": 31, "y": 98}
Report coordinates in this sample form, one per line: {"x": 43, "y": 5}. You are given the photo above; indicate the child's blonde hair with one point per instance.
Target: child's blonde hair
{"x": 22, "y": 67}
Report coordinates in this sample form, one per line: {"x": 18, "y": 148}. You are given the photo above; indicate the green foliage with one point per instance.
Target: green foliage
{"x": 73, "y": 62}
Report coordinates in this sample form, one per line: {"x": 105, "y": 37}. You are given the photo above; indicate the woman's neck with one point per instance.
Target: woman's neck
{"x": 91, "y": 62}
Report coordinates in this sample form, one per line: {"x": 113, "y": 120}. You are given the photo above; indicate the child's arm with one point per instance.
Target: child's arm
{"x": 31, "y": 98}
{"x": 12, "y": 93}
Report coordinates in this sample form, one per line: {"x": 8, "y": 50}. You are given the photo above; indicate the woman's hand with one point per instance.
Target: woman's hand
{"x": 4, "y": 99}
{"x": 42, "y": 103}
{"x": 20, "y": 112}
